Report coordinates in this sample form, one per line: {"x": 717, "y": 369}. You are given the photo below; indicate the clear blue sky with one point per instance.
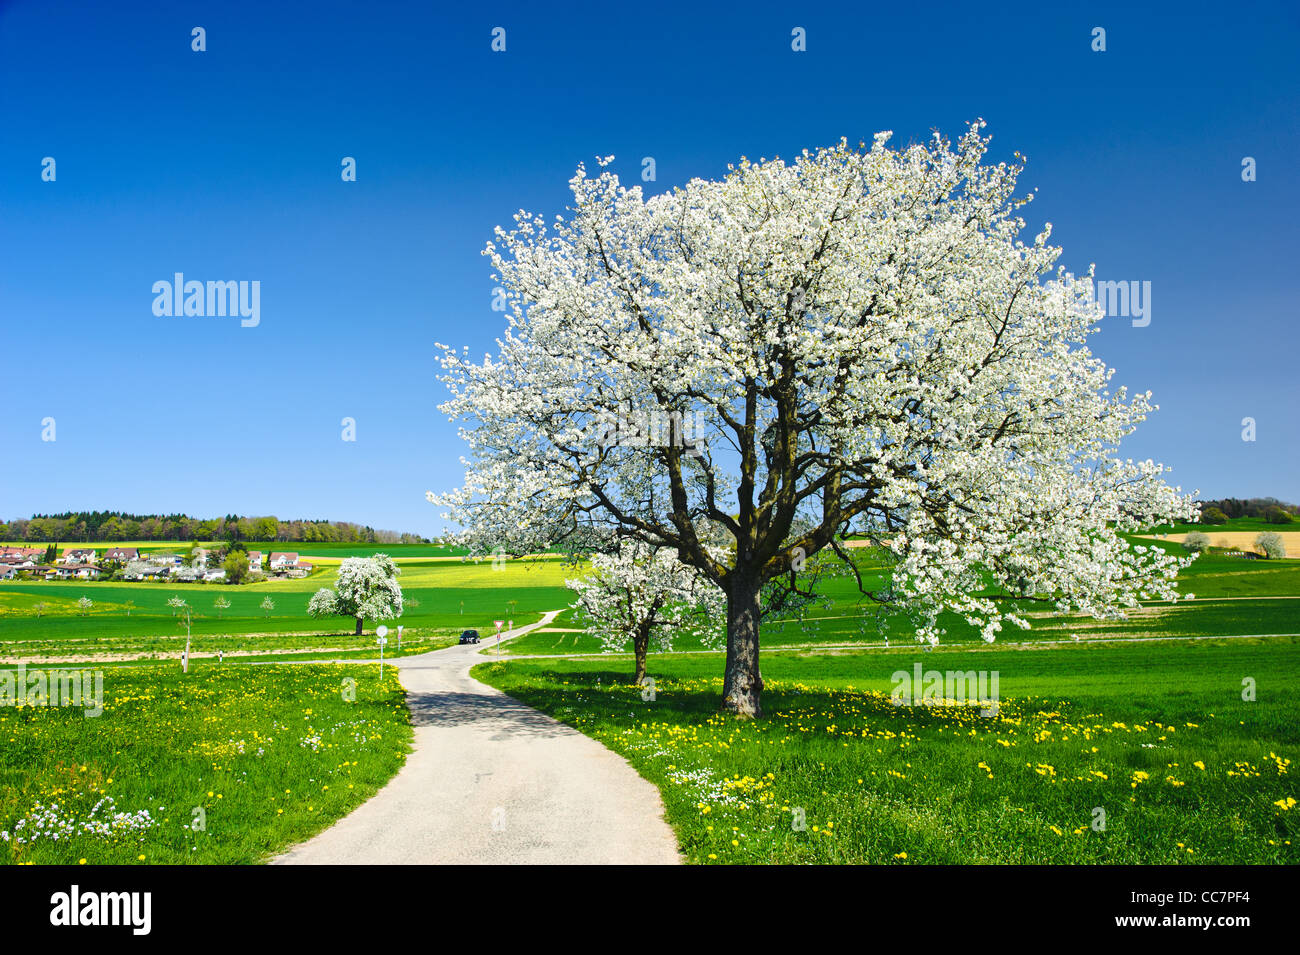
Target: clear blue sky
{"x": 225, "y": 165}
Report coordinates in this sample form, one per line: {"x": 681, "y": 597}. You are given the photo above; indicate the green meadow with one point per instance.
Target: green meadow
{"x": 1143, "y": 718}
{"x": 132, "y": 620}
{"x": 1232, "y": 597}
{"x": 222, "y": 765}
{"x": 1116, "y": 753}
{"x": 1164, "y": 737}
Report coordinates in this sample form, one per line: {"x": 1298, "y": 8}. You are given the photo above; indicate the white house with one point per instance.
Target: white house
{"x": 283, "y": 560}
{"x": 255, "y": 560}
{"x": 84, "y": 571}
{"x": 21, "y": 556}
{"x": 77, "y": 555}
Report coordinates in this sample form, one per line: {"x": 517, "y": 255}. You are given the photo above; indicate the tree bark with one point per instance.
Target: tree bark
{"x": 641, "y": 647}
{"x": 358, "y": 626}
{"x": 743, "y": 683}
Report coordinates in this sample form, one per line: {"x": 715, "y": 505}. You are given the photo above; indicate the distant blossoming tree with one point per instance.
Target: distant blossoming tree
{"x": 366, "y": 587}
{"x": 1270, "y": 544}
{"x": 642, "y": 592}
{"x": 855, "y": 342}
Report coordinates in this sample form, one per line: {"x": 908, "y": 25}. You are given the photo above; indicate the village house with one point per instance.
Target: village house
{"x": 78, "y": 555}
{"x": 7, "y": 571}
{"x": 255, "y": 561}
{"x": 21, "y": 556}
{"x": 283, "y": 560}
{"x": 122, "y": 553}
{"x": 84, "y": 571}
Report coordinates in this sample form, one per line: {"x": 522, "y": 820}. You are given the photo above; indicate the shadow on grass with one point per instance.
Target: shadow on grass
{"x": 610, "y": 697}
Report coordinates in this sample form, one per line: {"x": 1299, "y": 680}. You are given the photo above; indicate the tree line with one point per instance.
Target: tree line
{"x": 95, "y": 526}
{"x": 1266, "y": 508}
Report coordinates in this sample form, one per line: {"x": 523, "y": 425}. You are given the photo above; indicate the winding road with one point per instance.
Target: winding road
{"x": 493, "y": 781}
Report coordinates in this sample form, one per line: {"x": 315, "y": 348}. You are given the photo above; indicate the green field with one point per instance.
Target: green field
{"x": 1232, "y": 597}
{"x": 1142, "y": 718}
{"x": 227, "y": 764}
{"x": 323, "y": 549}
{"x": 1119, "y": 715}
{"x": 452, "y": 596}
{"x": 1233, "y": 524}
{"x": 1125, "y": 728}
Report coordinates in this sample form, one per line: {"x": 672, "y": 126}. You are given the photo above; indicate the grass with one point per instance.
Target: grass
{"x": 1121, "y": 728}
{"x": 262, "y": 757}
{"x": 332, "y": 549}
{"x": 452, "y": 596}
{"x": 1232, "y": 524}
{"x": 1233, "y": 596}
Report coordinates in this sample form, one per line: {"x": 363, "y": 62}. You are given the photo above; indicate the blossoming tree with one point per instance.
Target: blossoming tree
{"x": 365, "y": 587}
{"x": 642, "y": 592}
{"x": 861, "y": 344}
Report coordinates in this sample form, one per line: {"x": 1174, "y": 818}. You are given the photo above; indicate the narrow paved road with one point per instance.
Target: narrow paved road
{"x": 493, "y": 781}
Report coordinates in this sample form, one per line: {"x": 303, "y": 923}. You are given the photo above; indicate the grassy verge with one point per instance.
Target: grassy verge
{"x": 227, "y": 764}
{"x": 1157, "y": 737}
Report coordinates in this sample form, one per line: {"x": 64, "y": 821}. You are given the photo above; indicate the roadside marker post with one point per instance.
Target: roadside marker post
{"x": 382, "y": 633}
{"x": 498, "y": 624}
{"x": 399, "y": 638}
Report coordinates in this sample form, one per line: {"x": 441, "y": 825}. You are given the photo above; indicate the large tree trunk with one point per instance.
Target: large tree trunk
{"x": 641, "y": 647}
{"x": 743, "y": 683}
{"x": 358, "y": 626}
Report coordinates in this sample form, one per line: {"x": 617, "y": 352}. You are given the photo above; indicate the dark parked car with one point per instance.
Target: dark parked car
{"x": 469, "y": 636}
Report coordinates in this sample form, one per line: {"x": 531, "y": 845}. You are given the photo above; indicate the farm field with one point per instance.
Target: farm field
{"x": 227, "y": 764}
{"x": 1233, "y": 596}
{"x": 132, "y": 620}
{"x": 1244, "y": 539}
{"x": 1094, "y": 714}
{"x": 1155, "y": 735}
{"x": 1241, "y": 524}
{"x": 314, "y": 548}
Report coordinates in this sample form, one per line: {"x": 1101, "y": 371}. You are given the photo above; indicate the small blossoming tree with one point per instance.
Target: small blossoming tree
{"x": 1270, "y": 544}
{"x": 642, "y": 592}
{"x": 365, "y": 587}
